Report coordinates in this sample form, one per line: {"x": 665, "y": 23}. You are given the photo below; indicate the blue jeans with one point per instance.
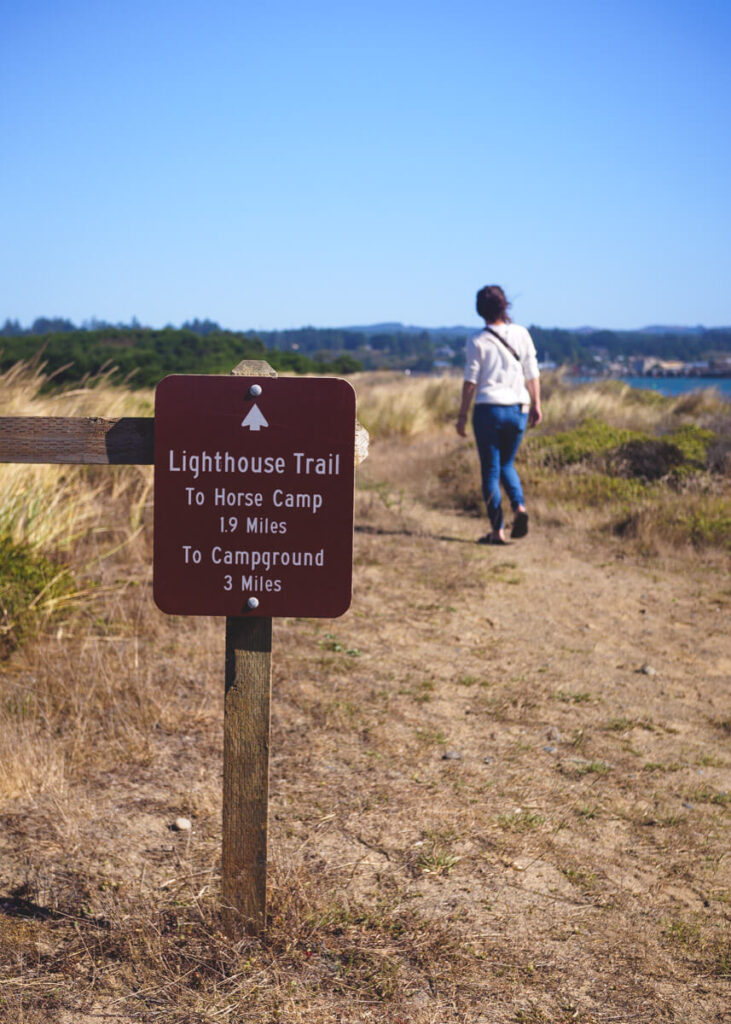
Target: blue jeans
{"x": 499, "y": 430}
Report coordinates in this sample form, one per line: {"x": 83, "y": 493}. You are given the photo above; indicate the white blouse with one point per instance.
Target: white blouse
{"x": 499, "y": 376}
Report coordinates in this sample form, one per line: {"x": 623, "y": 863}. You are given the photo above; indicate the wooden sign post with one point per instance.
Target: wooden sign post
{"x": 246, "y": 732}
{"x": 253, "y": 519}
{"x": 246, "y": 773}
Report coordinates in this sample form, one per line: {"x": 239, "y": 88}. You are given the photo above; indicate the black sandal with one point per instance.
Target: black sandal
{"x": 520, "y": 525}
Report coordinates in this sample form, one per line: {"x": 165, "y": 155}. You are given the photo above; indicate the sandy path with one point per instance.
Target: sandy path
{"x": 527, "y": 746}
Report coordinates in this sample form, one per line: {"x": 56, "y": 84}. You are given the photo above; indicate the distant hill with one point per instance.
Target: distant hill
{"x": 699, "y": 329}
{"x": 463, "y": 330}
{"x": 398, "y": 328}
{"x": 652, "y": 329}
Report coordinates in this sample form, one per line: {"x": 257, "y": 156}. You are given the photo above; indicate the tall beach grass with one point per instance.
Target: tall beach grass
{"x": 399, "y": 405}
{"x": 47, "y": 506}
{"x": 396, "y": 405}
{"x": 49, "y": 512}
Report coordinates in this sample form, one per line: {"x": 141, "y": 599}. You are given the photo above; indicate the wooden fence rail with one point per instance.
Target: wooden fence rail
{"x": 87, "y": 440}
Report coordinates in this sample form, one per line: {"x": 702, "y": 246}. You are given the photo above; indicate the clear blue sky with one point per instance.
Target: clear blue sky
{"x": 286, "y": 163}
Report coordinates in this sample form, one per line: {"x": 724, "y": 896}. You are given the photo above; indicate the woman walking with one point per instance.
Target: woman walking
{"x": 501, "y": 374}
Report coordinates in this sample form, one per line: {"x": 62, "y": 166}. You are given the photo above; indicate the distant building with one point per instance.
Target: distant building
{"x": 669, "y": 368}
{"x": 720, "y": 367}
{"x": 651, "y": 366}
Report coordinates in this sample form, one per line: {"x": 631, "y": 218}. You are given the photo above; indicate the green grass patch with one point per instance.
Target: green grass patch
{"x": 588, "y": 812}
{"x": 31, "y": 587}
{"x": 706, "y": 795}
{"x": 621, "y": 724}
{"x": 422, "y": 691}
{"x": 591, "y": 489}
{"x": 624, "y": 724}
{"x": 436, "y": 860}
{"x": 658, "y": 766}
{"x": 431, "y": 737}
{"x": 591, "y": 767}
{"x": 331, "y": 643}
{"x": 709, "y": 526}
{"x": 702, "y": 942}
{"x": 520, "y": 821}
{"x": 573, "y": 697}
{"x": 580, "y": 877}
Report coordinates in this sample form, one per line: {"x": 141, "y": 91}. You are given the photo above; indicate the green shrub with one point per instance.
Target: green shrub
{"x": 693, "y": 442}
{"x": 590, "y": 439}
{"x": 30, "y": 585}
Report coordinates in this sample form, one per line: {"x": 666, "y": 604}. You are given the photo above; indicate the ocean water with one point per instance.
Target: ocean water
{"x": 674, "y": 386}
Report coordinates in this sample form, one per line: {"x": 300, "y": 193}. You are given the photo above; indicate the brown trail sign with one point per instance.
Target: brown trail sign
{"x": 254, "y": 495}
{"x": 253, "y": 519}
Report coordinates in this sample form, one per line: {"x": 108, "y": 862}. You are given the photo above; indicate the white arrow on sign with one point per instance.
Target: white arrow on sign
{"x": 254, "y": 418}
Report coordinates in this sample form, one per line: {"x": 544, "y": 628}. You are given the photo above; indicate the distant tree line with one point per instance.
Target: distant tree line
{"x": 578, "y": 347}
{"x": 420, "y": 348}
{"x": 144, "y": 355}
{"x": 383, "y": 349}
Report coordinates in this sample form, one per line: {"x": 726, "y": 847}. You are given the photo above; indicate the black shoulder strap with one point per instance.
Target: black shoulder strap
{"x": 503, "y": 342}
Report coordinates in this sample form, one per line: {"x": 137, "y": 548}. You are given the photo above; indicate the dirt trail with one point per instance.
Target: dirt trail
{"x": 586, "y": 697}
{"x": 527, "y": 746}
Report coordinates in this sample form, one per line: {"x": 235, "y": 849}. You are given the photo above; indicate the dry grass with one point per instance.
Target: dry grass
{"x": 567, "y": 862}
{"x": 617, "y": 404}
{"x": 395, "y": 405}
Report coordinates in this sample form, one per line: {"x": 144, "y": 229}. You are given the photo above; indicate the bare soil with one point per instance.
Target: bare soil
{"x": 499, "y": 792}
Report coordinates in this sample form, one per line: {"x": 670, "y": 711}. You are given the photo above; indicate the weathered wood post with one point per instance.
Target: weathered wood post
{"x": 246, "y": 723}
{"x": 246, "y": 729}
